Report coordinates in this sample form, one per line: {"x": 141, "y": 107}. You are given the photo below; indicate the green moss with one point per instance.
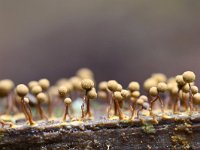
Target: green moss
{"x": 149, "y": 128}
{"x": 1, "y": 136}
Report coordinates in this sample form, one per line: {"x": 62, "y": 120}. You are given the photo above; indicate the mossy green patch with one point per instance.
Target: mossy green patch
{"x": 149, "y": 128}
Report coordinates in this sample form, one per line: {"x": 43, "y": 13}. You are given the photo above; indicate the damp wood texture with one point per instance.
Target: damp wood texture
{"x": 179, "y": 133}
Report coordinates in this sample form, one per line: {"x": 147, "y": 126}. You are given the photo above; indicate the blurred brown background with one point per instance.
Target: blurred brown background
{"x": 125, "y": 40}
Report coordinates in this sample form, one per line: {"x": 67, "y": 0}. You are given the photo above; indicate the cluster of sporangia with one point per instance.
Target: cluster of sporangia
{"x": 175, "y": 95}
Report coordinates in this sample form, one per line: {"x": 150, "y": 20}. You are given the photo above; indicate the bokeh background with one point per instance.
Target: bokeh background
{"x": 124, "y": 40}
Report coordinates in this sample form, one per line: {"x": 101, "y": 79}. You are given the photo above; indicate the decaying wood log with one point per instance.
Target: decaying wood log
{"x": 179, "y": 133}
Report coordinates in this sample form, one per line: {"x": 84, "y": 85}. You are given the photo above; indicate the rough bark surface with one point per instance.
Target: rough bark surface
{"x": 180, "y": 133}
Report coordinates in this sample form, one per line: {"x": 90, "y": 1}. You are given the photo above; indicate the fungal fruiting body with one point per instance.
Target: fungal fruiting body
{"x": 22, "y": 90}
{"x": 133, "y": 88}
{"x": 67, "y": 102}
{"x": 45, "y": 84}
{"x": 90, "y": 93}
{"x": 113, "y": 86}
{"x": 42, "y": 98}
{"x": 72, "y": 99}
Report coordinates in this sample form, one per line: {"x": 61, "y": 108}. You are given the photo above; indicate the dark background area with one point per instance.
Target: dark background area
{"x": 122, "y": 40}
